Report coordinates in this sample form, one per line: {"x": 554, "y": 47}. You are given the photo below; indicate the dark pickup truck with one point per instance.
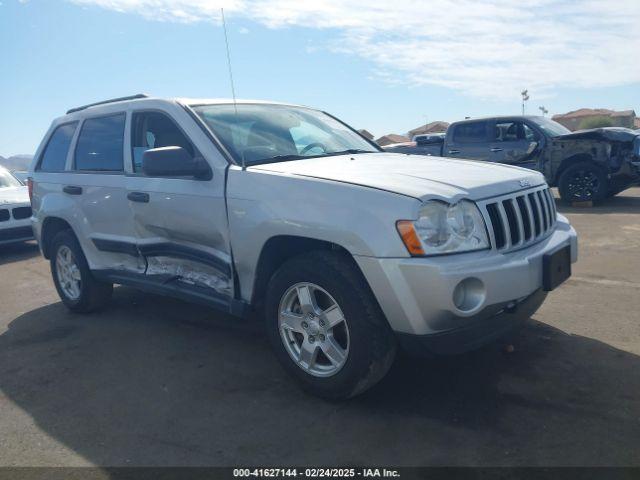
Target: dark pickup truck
{"x": 584, "y": 165}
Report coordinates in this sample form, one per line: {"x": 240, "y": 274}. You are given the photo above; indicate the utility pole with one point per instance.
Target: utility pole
{"x": 525, "y": 98}
{"x": 543, "y": 110}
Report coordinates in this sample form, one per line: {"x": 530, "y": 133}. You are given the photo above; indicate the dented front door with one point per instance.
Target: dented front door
{"x": 181, "y": 222}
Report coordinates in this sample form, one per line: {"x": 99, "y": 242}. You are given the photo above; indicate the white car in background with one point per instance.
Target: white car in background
{"x": 15, "y": 210}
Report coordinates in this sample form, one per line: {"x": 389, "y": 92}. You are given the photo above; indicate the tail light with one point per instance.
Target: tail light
{"x": 30, "y": 188}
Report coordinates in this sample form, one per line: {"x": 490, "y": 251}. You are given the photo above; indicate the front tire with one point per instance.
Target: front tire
{"x": 583, "y": 182}
{"x": 326, "y": 327}
{"x": 77, "y": 287}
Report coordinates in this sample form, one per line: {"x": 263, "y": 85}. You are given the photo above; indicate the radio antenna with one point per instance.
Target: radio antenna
{"x": 226, "y": 41}
{"x": 233, "y": 89}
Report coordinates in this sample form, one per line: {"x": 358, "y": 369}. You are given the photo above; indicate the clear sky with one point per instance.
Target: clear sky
{"x": 387, "y": 66}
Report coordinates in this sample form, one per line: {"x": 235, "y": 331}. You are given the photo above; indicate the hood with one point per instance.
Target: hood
{"x": 414, "y": 175}
{"x": 14, "y": 195}
{"x": 614, "y": 134}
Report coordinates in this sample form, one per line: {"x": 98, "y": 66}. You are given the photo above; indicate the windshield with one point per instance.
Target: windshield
{"x": 271, "y": 133}
{"x": 551, "y": 128}
{"x": 8, "y": 180}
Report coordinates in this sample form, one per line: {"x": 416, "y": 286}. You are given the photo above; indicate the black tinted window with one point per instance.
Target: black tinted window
{"x": 155, "y": 130}
{"x": 100, "y": 144}
{"x": 54, "y": 156}
{"x": 429, "y": 139}
{"x": 470, "y": 132}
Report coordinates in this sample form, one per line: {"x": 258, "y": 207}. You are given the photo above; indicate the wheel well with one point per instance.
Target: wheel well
{"x": 567, "y": 162}
{"x": 51, "y": 227}
{"x": 278, "y": 250}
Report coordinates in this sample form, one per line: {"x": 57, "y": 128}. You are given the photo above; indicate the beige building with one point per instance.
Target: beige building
{"x": 391, "y": 138}
{"x": 433, "y": 127}
{"x": 574, "y": 120}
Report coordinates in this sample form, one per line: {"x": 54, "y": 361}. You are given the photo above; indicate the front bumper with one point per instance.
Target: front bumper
{"x": 417, "y": 294}
{"x": 495, "y": 322}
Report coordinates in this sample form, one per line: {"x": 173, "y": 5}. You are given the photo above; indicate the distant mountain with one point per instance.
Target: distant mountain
{"x": 16, "y": 162}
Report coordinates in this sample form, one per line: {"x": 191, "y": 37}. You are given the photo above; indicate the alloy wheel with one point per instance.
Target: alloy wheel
{"x": 68, "y": 273}
{"x": 313, "y": 329}
{"x": 584, "y": 184}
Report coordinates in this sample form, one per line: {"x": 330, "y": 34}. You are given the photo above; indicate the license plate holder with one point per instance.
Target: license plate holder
{"x": 556, "y": 268}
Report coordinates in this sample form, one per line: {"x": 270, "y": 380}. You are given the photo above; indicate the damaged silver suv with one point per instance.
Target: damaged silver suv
{"x": 281, "y": 210}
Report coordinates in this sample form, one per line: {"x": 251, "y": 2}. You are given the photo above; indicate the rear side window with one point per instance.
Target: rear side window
{"x": 54, "y": 157}
{"x": 100, "y": 144}
{"x": 471, "y": 132}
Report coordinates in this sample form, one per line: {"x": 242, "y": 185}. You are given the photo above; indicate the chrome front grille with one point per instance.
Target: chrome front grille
{"x": 520, "y": 219}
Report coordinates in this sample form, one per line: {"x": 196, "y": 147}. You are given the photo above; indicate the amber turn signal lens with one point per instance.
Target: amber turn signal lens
{"x": 409, "y": 236}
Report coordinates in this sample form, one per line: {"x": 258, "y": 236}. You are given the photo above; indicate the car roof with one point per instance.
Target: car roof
{"x": 501, "y": 117}
{"x": 116, "y": 105}
{"x": 107, "y": 105}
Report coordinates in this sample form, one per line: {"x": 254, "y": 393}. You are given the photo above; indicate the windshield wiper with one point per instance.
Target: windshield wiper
{"x": 352, "y": 151}
{"x": 285, "y": 158}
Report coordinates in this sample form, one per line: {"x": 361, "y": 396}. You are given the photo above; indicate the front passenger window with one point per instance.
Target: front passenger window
{"x": 155, "y": 130}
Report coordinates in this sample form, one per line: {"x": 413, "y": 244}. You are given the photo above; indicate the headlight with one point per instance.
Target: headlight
{"x": 444, "y": 228}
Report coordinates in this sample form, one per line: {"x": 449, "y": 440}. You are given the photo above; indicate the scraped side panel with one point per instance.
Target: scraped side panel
{"x": 190, "y": 272}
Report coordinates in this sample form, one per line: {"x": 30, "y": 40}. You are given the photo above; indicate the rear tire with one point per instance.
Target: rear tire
{"x": 583, "y": 182}
{"x": 360, "y": 346}
{"x": 77, "y": 287}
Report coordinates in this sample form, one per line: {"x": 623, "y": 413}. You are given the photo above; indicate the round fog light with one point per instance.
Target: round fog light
{"x": 468, "y": 294}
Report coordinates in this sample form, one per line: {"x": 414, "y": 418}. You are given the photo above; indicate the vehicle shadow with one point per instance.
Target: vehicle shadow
{"x": 155, "y": 381}
{"x": 16, "y": 252}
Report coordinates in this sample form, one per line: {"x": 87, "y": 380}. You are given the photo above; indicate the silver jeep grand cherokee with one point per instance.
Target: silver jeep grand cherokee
{"x": 284, "y": 210}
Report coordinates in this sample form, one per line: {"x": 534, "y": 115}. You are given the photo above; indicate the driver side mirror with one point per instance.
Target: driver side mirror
{"x": 174, "y": 162}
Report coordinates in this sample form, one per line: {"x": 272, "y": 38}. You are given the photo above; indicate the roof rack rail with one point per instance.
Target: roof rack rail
{"x": 119, "y": 99}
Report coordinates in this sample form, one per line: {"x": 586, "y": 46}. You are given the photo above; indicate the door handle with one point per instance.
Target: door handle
{"x": 454, "y": 151}
{"x": 138, "y": 197}
{"x": 72, "y": 190}
{"x": 496, "y": 149}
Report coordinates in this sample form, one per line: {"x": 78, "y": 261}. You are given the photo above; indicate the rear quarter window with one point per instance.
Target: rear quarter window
{"x": 54, "y": 157}
{"x": 472, "y": 132}
{"x": 100, "y": 144}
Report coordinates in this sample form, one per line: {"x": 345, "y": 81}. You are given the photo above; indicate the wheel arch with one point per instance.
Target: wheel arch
{"x": 50, "y": 228}
{"x": 277, "y": 250}
{"x": 572, "y": 160}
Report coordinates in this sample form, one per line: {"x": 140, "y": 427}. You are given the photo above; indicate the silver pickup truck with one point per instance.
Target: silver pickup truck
{"x": 284, "y": 211}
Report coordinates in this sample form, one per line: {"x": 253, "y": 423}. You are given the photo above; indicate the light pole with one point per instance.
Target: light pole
{"x": 543, "y": 110}
{"x": 525, "y": 97}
